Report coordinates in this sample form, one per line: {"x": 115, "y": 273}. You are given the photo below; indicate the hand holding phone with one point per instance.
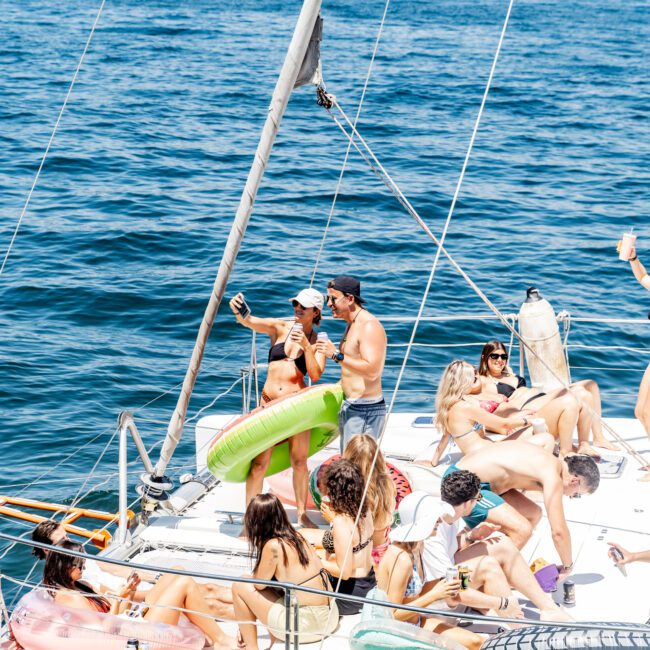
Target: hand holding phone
{"x": 239, "y": 306}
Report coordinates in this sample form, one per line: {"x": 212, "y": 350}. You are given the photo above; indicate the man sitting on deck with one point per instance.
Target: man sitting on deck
{"x": 509, "y": 467}
{"x": 495, "y": 563}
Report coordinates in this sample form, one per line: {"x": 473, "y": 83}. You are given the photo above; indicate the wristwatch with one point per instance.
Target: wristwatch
{"x": 338, "y": 357}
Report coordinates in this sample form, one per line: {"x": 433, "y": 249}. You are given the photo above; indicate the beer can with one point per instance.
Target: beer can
{"x": 451, "y": 574}
{"x": 569, "y": 592}
{"x": 463, "y": 574}
{"x": 297, "y": 326}
{"x": 322, "y": 336}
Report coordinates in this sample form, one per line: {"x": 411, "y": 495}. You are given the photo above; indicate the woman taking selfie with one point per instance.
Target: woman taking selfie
{"x": 291, "y": 358}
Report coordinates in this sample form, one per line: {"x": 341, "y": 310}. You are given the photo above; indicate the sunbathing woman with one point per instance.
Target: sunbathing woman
{"x": 281, "y": 554}
{"x": 291, "y": 357}
{"x": 562, "y": 412}
{"x": 381, "y": 489}
{"x": 462, "y": 415}
{"x": 170, "y": 594}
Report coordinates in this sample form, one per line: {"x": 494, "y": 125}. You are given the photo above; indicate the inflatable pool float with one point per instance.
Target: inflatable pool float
{"x": 38, "y": 623}
{"x": 402, "y": 485}
{"x": 281, "y": 484}
{"x": 385, "y": 634}
{"x": 315, "y": 408}
{"x": 542, "y": 637}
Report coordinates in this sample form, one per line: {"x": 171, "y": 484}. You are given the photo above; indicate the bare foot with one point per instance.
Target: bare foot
{"x": 555, "y": 614}
{"x": 586, "y": 449}
{"x": 305, "y": 521}
{"x": 605, "y": 444}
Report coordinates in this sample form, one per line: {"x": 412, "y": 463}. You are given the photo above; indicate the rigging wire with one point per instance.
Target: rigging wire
{"x": 434, "y": 267}
{"x": 54, "y": 130}
{"x": 347, "y": 151}
{"x": 383, "y": 175}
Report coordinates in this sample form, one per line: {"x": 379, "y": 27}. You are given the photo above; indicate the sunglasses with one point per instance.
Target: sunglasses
{"x": 295, "y": 304}
{"x": 332, "y": 299}
{"x": 495, "y": 355}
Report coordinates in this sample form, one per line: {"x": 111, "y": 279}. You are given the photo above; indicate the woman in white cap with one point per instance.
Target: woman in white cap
{"x": 401, "y": 572}
{"x": 292, "y": 356}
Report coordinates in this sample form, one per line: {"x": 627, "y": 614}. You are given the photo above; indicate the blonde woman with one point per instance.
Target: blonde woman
{"x": 463, "y": 414}
{"x": 381, "y": 489}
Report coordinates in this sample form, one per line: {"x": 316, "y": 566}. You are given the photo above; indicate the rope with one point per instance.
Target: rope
{"x": 49, "y": 144}
{"x": 383, "y": 175}
{"x": 347, "y": 151}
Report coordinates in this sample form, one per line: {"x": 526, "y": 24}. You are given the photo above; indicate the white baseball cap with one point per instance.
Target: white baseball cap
{"x": 309, "y": 298}
{"x": 418, "y": 514}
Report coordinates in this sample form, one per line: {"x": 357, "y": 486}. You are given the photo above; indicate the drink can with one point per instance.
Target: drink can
{"x": 451, "y": 574}
{"x": 569, "y": 592}
{"x": 539, "y": 425}
{"x": 298, "y": 327}
{"x": 322, "y": 336}
{"x": 617, "y": 556}
{"x": 463, "y": 574}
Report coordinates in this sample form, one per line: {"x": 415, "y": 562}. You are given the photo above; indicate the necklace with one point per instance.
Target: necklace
{"x": 347, "y": 329}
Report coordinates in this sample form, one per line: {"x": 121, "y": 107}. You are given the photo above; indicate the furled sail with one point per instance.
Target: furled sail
{"x": 310, "y": 69}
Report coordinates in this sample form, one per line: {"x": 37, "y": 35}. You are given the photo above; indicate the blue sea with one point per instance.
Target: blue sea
{"x": 106, "y": 285}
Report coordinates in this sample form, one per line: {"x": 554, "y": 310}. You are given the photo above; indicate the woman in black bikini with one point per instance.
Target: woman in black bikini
{"x": 347, "y": 549}
{"x": 562, "y": 412}
{"x": 292, "y": 356}
{"x": 281, "y": 554}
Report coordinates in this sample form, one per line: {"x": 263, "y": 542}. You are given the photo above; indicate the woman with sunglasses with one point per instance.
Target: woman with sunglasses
{"x": 163, "y": 603}
{"x": 292, "y": 357}
{"x": 464, "y": 413}
{"x": 562, "y": 412}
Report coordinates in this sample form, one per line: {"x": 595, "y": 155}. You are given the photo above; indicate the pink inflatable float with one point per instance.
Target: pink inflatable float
{"x": 39, "y": 624}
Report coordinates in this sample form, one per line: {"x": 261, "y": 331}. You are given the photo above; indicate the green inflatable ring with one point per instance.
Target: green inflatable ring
{"x": 315, "y": 408}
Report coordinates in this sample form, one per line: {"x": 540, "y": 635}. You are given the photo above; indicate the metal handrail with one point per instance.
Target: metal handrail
{"x": 289, "y": 587}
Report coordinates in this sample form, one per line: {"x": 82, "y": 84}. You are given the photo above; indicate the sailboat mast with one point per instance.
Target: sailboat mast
{"x": 286, "y": 81}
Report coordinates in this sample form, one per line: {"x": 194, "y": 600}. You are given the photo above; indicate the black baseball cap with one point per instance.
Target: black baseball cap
{"x": 347, "y": 284}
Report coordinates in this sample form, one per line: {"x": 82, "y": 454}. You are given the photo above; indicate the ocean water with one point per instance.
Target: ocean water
{"x": 106, "y": 285}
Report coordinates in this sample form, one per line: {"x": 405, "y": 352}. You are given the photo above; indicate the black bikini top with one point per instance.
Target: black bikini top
{"x": 277, "y": 353}
{"x": 506, "y": 389}
{"x": 328, "y": 543}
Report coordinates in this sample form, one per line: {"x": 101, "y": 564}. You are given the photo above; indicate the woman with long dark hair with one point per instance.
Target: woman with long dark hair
{"x": 292, "y": 357}
{"x": 163, "y": 604}
{"x": 562, "y": 412}
{"x": 281, "y": 554}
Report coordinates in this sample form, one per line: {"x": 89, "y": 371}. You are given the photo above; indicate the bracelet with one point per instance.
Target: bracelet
{"x": 633, "y": 259}
{"x": 525, "y": 422}
{"x": 505, "y": 603}
{"x": 567, "y": 567}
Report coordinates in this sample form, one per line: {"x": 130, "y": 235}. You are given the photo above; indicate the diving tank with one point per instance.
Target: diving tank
{"x": 539, "y": 329}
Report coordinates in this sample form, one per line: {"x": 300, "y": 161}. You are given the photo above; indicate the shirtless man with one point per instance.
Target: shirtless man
{"x": 361, "y": 355}
{"x": 508, "y": 467}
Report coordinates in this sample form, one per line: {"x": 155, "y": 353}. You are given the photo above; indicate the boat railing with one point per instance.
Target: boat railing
{"x": 290, "y": 601}
{"x": 471, "y": 332}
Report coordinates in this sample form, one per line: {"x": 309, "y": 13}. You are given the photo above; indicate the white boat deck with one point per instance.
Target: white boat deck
{"x": 206, "y": 539}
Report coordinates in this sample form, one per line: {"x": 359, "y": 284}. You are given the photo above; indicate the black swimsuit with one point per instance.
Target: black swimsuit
{"x": 278, "y": 353}
{"x": 506, "y": 389}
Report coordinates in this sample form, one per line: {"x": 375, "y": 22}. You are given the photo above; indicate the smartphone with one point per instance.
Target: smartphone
{"x": 244, "y": 310}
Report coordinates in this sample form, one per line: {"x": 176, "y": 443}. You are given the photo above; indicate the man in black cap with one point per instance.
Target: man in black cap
{"x": 361, "y": 355}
